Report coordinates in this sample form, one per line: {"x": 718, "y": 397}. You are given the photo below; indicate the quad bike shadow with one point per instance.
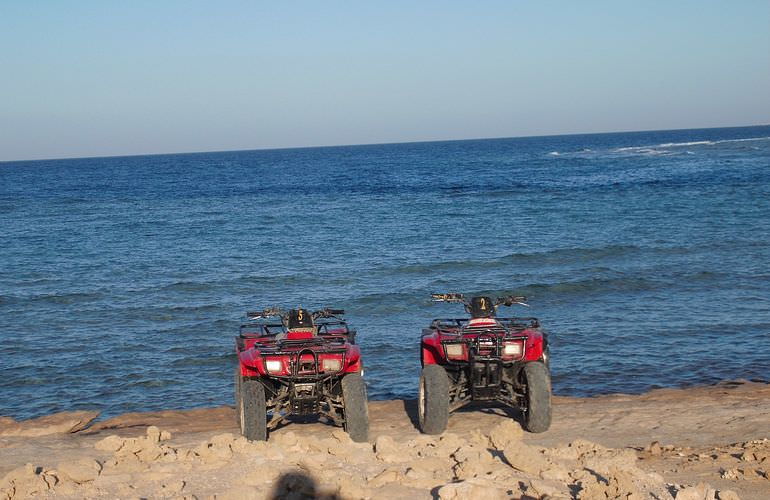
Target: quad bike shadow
{"x": 411, "y": 408}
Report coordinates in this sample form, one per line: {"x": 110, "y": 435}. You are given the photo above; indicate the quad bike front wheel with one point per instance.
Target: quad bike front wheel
{"x": 356, "y": 407}
{"x": 537, "y": 417}
{"x": 252, "y": 411}
{"x": 433, "y": 400}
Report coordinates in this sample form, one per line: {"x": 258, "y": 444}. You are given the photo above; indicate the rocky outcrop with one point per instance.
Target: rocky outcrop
{"x": 58, "y": 423}
{"x": 493, "y": 464}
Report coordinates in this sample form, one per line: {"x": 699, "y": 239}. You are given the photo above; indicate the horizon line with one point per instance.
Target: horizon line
{"x": 373, "y": 144}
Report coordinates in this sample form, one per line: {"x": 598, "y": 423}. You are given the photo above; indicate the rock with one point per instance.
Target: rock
{"x": 389, "y": 475}
{"x": 24, "y": 482}
{"x": 620, "y": 484}
{"x": 472, "y": 461}
{"x": 243, "y": 445}
{"x": 58, "y": 423}
{"x": 555, "y": 473}
{"x": 387, "y": 450}
{"x": 312, "y": 463}
{"x": 727, "y": 495}
{"x": 173, "y": 487}
{"x": 81, "y": 471}
{"x": 216, "y": 451}
{"x": 150, "y": 452}
{"x": 550, "y": 489}
{"x": 604, "y": 460}
{"x": 351, "y": 489}
{"x": 583, "y": 447}
{"x": 474, "y": 488}
{"x": 563, "y": 452}
{"x": 433, "y": 467}
{"x": 505, "y": 433}
{"x": 699, "y": 492}
{"x": 341, "y": 436}
{"x": 525, "y": 458}
{"x": 223, "y": 440}
{"x": 591, "y": 489}
{"x": 153, "y": 434}
{"x": 448, "y": 443}
{"x": 655, "y": 449}
{"x": 398, "y": 490}
{"x": 285, "y": 439}
{"x": 732, "y": 474}
{"x": 110, "y": 443}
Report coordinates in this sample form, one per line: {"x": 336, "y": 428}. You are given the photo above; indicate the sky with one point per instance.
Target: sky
{"x": 94, "y": 78}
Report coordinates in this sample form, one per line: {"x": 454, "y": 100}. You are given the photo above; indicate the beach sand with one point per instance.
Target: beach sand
{"x": 694, "y": 443}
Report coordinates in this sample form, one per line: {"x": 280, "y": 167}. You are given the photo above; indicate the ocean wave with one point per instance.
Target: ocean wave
{"x": 51, "y": 299}
{"x": 679, "y": 144}
{"x": 556, "y": 256}
{"x": 657, "y": 147}
{"x": 589, "y": 286}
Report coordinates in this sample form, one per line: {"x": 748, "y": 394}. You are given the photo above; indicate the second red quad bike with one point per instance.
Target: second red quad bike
{"x": 484, "y": 358}
{"x": 299, "y": 363}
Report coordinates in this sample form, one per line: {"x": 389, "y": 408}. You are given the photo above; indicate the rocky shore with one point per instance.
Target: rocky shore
{"x": 699, "y": 443}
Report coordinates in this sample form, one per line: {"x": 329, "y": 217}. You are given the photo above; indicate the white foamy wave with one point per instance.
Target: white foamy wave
{"x": 744, "y": 140}
{"x": 649, "y": 149}
{"x": 554, "y": 153}
{"x": 678, "y": 144}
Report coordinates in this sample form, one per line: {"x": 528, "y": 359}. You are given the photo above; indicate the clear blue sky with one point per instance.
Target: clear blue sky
{"x": 91, "y": 78}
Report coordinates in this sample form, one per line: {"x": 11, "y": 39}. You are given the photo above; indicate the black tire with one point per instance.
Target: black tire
{"x": 537, "y": 417}
{"x": 252, "y": 411}
{"x": 433, "y": 400}
{"x": 237, "y": 390}
{"x": 356, "y": 407}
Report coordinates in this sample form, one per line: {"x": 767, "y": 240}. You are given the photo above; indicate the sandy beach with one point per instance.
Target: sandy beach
{"x": 694, "y": 443}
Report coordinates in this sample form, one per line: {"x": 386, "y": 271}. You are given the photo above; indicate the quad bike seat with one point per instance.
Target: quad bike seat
{"x": 482, "y": 323}
{"x": 300, "y": 333}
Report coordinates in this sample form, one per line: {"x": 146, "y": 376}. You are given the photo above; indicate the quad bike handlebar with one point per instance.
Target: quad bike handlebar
{"x": 508, "y": 300}
{"x": 265, "y": 313}
{"x": 448, "y": 297}
{"x": 327, "y": 312}
{"x": 511, "y": 299}
{"x": 272, "y": 312}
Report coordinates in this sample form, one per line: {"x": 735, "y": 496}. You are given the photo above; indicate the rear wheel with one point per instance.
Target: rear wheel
{"x": 237, "y": 389}
{"x": 433, "y": 400}
{"x": 356, "y": 407}
{"x": 537, "y": 417}
{"x": 252, "y": 412}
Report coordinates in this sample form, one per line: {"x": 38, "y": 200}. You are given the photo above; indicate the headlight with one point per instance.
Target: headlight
{"x": 273, "y": 366}
{"x": 331, "y": 365}
{"x": 454, "y": 350}
{"x": 512, "y": 349}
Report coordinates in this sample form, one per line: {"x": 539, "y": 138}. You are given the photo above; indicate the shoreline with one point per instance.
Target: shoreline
{"x": 715, "y": 435}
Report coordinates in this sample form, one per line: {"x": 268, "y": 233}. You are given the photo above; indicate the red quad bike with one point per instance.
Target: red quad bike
{"x": 484, "y": 358}
{"x": 299, "y": 363}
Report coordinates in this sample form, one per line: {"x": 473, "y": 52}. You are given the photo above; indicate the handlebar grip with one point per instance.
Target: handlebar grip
{"x": 447, "y": 297}
{"x": 265, "y": 313}
{"x": 511, "y": 299}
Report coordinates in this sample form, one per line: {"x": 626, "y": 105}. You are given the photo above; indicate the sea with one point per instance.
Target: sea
{"x": 646, "y": 256}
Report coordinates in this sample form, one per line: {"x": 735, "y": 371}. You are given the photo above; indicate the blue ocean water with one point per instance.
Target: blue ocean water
{"x": 123, "y": 280}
